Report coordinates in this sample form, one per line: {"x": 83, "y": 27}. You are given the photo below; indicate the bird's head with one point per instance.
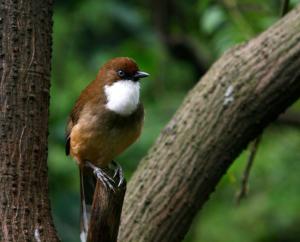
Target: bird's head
{"x": 120, "y": 79}
{"x": 120, "y": 68}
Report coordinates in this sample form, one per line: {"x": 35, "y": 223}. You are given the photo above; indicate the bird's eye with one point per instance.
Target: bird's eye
{"x": 121, "y": 73}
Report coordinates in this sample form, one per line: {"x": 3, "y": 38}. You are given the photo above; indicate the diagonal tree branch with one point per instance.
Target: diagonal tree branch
{"x": 245, "y": 178}
{"x": 241, "y": 94}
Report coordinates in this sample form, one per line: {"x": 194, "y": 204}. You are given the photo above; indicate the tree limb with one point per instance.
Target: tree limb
{"x": 106, "y": 212}
{"x": 240, "y": 95}
{"x": 245, "y": 178}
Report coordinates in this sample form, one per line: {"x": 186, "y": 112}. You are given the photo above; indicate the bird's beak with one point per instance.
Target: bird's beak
{"x": 140, "y": 74}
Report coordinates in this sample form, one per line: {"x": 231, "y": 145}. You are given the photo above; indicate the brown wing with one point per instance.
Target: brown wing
{"x": 85, "y": 96}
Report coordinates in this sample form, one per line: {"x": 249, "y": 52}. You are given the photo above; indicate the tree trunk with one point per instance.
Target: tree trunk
{"x": 25, "y": 57}
{"x": 241, "y": 94}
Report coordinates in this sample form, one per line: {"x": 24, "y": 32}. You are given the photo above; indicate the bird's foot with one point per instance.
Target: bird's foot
{"x": 106, "y": 180}
{"x": 119, "y": 173}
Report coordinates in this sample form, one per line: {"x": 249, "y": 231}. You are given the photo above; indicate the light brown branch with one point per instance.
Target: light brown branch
{"x": 245, "y": 179}
{"x": 241, "y": 94}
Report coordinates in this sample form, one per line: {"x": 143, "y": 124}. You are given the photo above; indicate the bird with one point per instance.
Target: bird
{"x": 106, "y": 119}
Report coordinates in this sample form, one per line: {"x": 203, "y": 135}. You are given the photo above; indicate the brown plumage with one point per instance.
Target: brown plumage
{"x": 96, "y": 133}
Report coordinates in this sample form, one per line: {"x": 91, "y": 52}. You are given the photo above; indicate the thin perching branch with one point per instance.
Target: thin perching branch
{"x": 284, "y": 7}
{"x": 244, "y": 182}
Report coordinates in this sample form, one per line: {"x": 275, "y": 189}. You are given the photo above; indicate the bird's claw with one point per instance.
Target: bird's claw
{"x": 119, "y": 173}
{"x": 106, "y": 180}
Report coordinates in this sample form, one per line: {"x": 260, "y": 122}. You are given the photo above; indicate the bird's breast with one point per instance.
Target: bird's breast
{"x": 101, "y": 135}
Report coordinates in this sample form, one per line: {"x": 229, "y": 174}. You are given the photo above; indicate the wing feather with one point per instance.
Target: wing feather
{"x": 85, "y": 97}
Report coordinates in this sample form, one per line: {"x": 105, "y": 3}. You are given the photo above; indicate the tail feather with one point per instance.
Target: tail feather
{"x": 87, "y": 188}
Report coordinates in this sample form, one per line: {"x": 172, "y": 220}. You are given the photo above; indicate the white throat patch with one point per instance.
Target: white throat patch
{"x": 123, "y": 96}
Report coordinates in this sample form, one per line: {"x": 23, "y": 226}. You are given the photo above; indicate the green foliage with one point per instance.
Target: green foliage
{"x": 87, "y": 33}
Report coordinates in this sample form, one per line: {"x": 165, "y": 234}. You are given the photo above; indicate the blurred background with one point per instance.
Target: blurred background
{"x": 176, "y": 41}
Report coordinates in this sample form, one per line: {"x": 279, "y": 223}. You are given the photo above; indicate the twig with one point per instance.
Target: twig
{"x": 181, "y": 45}
{"x": 106, "y": 212}
{"x": 290, "y": 119}
{"x": 284, "y": 7}
{"x": 244, "y": 182}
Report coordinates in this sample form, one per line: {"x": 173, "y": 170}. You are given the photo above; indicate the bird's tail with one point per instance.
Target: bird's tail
{"x": 87, "y": 188}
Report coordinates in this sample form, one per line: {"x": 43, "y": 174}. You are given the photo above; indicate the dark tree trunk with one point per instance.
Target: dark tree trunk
{"x": 241, "y": 94}
{"x": 25, "y": 57}
{"x": 106, "y": 213}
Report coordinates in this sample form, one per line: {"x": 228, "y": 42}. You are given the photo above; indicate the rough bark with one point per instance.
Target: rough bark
{"x": 240, "y": 95}
{"x": 25, "y": 57}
